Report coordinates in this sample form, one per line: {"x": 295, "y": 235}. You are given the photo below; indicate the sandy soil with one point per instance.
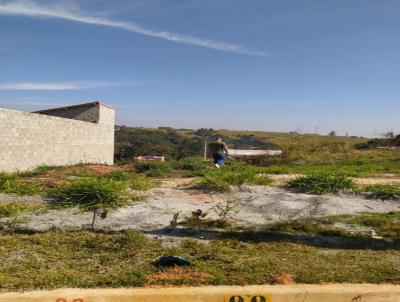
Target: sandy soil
{"x": 257, "y": 206}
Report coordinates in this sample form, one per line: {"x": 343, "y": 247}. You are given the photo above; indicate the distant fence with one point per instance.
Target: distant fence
{"x": 253, "y": 153}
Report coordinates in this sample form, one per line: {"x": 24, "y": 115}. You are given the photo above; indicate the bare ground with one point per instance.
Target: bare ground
{"x": 257, "y": 206}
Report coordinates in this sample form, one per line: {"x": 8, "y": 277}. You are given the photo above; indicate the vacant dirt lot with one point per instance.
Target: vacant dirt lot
{"x": 256, "y": 206}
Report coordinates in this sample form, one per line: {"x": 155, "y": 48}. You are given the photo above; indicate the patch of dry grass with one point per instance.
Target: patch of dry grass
{"x": 85, "y": 259}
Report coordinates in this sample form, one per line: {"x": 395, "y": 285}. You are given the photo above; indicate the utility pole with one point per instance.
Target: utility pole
{"x": 205, "y": 148}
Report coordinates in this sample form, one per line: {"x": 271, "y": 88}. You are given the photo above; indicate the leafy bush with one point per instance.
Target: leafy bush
{"x": 383, "y": 192}
{"x": 321, "y": 184}
{"x": 153, "y": 168}
{"x": 225, "y": 210}
{"x": 95, "y": 195}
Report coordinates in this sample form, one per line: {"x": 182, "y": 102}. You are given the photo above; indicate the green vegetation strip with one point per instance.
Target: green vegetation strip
{"x": 86, "y": 259}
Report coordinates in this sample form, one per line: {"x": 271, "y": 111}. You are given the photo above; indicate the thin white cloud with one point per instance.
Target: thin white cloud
{"x": 33, "y": 9}
{"x": 53, "y": 85}
{"x": 27, "y": 102}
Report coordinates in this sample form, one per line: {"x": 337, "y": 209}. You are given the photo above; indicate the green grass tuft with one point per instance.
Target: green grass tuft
{"x": 320, "y": 184}
{"x": 385, "y": 224}
{"x": 12, "y": 184}
{"x": 154, "y": 169}
{"x": 223, "y": 179}
{"x": 12, "y": 209}
{"x": 190, "y": 164}
{"x": 383, "y": 192}
{"x": 96, "y": 195}
{"x": 134, "y": 181}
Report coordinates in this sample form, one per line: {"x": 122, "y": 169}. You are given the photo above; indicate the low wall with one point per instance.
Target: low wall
{"x": 253, "y": 153}
{"x": 268, "y": 293}
{"x": 28, "y": 140}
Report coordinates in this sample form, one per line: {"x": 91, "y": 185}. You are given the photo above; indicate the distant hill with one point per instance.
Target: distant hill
{"x": 180, "y": 143}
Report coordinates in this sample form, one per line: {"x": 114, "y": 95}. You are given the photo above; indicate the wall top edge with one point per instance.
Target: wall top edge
{"x": 91, "y": 104}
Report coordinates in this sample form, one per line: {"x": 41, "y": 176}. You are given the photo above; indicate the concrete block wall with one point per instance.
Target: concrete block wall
{"x": 28, "y": 140}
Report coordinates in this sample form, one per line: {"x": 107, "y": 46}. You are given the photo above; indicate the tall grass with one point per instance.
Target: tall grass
{"x": 313, "y": 148}
{"x": 310, "y": 154}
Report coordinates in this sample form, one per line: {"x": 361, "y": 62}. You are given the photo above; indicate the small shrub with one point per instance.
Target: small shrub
{"x": 321, "y": 184}
{"x": 95, "y": 195}
{"x": 153, "y": 169}
{"x": 199, "y": 220}
{"x": 383, "y": 192}
{"x": 225, "y": 210}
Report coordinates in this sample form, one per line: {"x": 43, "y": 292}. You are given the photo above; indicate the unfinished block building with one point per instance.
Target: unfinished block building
{"x": 60, "y": 136}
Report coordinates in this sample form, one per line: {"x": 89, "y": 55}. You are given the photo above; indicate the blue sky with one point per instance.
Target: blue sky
{"x": 277, "y": 65}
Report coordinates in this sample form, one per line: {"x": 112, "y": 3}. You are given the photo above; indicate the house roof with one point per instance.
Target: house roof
{"x": 92, "y": 104}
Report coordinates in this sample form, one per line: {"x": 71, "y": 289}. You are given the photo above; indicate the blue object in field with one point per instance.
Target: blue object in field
{"x": 219, "y": 158}
{"x": 172, "y": 261}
